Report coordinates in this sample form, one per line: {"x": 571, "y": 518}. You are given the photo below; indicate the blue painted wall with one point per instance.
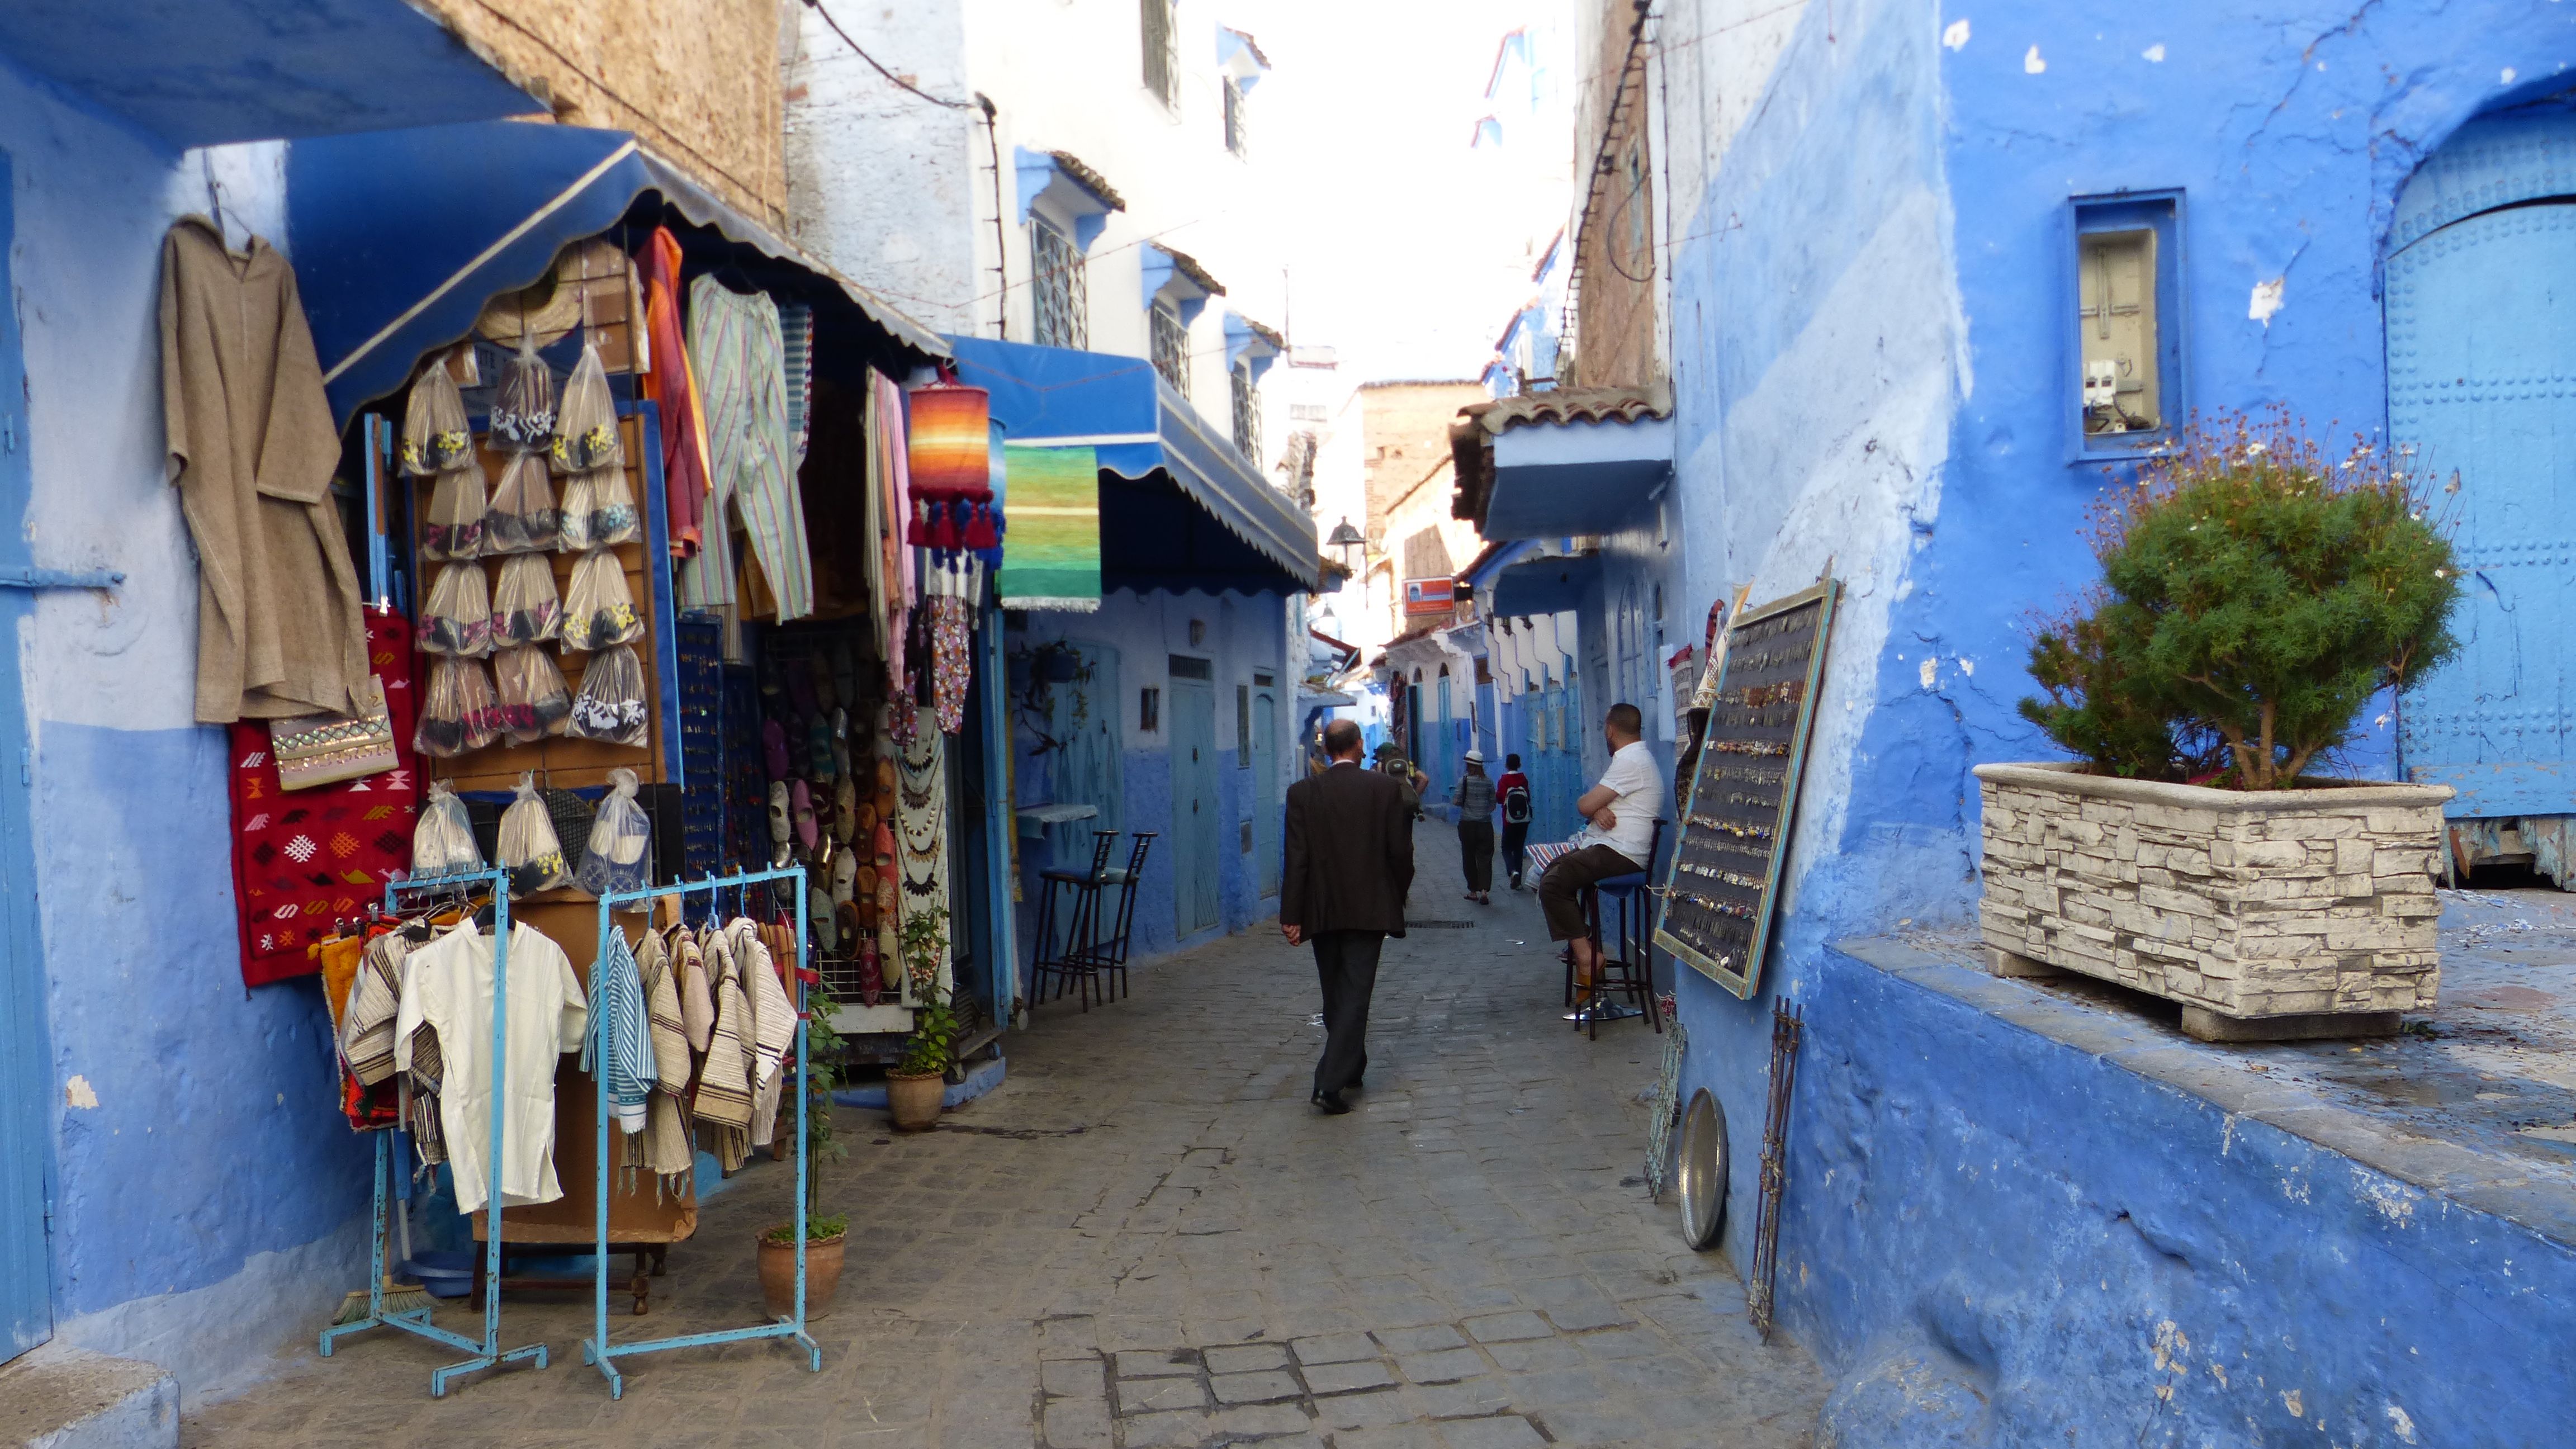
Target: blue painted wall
{"x": 1244, "y": 633}
{"x": 207, "y": 1198}
{"x": 1868, "y": 309}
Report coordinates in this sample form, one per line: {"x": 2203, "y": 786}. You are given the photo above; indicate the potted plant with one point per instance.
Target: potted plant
{"x": 826, "y": 1238}
{"x": 916, "y": 1084}
{"x": 2255, "y": 595}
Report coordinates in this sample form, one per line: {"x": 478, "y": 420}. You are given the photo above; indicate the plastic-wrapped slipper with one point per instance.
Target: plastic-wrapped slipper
{"x": 586, "y": 420}
{"x": 523, "y": 410}
{"x": 610, "y": 708}
{"x": 525, "y": 608}
{"x": 460, "y": 713}
{"x": 457, "y": 503}
{"x": 598, "y": 611}
{"x": 598, "y": 510}
{"x": 456, "y": 618}
{"x": 442, "y": 842}
{"x": 618, "y": 857}
{"x": 773, "y": 748}
{"x": 802, "y": 802}
{"x": 522, "y": 517}
{"x": 528, "y": 846}
{"x": 535, "y": 701}
{"x": 435, "y": 438}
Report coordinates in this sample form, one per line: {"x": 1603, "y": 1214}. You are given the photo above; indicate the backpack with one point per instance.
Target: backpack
{"x": 1516, "y": 805}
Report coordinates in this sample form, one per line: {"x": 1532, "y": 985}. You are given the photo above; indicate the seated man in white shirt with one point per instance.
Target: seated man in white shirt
{"x": 1618, "y": 841}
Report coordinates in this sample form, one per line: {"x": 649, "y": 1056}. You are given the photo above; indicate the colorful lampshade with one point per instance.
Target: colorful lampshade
{"x": 952, "y": 442}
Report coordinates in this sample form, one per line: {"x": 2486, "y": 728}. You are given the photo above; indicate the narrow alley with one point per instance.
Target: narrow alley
{"x": 1145, "y": 1237}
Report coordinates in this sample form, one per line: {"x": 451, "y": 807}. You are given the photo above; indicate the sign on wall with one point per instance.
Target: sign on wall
{"x": 1430, "y": 596}
{"x": 1725, "y": 875}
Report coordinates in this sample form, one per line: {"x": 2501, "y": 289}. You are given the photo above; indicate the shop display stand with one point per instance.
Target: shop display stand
{"x": 487, "y": 1352}
{"x": 597, "y": 1349}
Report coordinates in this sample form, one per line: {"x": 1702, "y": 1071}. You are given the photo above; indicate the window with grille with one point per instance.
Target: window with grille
{"x": 1062, "y": 298}
{"x": 1171, "y": 347}
{"x": 1247, "y": 412}
{"x": 1235, "y": 138}
{"x": 1162, "y": 61}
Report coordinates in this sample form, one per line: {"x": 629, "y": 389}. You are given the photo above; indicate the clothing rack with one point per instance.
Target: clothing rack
{"x": 597, "y": 1349}
{"x": 487, "y": 1352}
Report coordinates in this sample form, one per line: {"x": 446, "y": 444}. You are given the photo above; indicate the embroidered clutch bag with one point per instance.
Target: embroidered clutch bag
{"x": 325, "y": 749}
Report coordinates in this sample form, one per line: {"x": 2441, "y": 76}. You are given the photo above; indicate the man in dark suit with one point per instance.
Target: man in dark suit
{"x": 1342, "y": 887}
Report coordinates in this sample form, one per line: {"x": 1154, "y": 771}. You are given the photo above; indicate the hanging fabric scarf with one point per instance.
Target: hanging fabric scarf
{"x": 664, "y": 1148}
{"x": 626, "y": 1070}
{"x": 773, "y": 1021}
{"x": 697, "y": 997}
{"x": 952, "y": 665}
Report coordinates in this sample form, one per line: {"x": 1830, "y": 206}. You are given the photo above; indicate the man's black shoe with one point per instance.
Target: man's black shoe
{"x": 1331, "y": 1104}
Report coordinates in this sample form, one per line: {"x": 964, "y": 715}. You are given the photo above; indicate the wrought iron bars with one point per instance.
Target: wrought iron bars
{"x": 1786, "y": 1028}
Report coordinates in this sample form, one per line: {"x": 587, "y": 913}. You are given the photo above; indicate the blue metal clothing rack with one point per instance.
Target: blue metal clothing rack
{"x": 487, "y": 1352}
{"x": 597, "y": 1349}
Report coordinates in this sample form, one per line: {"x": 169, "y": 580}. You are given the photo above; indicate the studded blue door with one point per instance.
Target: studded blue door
{"x": 1267, "y": 822}
{"x": 2482, "y": 383}
{"x": 26, "y": 1317}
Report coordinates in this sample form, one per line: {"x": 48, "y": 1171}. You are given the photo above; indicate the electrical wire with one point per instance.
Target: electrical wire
{"x": 879, "y": 66}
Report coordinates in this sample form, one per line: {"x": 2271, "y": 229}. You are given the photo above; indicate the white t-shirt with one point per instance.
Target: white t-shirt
{"x": 1639, "y": 789}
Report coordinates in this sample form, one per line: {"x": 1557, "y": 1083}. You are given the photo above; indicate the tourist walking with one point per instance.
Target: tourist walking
{"x": 1474, "y": 798}
{"x": 1617, "y": 840}
{"x": 1513, "y": 789}
{"x": 1348, "y": 867}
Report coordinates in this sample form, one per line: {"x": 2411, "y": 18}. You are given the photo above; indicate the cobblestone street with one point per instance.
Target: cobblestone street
{"x": 1146, "y": 1237}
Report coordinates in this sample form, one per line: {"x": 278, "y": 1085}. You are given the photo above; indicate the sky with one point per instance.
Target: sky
{"x": 1408, "y": 249}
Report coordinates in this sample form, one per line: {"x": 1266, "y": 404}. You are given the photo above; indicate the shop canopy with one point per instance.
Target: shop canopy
{"x": 1179, "y": 507}
{"x": 400, "y": 237}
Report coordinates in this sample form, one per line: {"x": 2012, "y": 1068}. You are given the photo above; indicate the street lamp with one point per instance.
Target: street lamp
{"x": 1346, "y": 538}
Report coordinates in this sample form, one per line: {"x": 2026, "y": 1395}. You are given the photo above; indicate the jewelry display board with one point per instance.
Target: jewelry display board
{"x": 1725, "y": 875}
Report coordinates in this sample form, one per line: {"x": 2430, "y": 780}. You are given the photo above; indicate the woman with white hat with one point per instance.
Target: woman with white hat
{"x": 1474, "y": 798}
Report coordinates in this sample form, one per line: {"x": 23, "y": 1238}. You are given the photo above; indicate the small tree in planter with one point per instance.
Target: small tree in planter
{"x": 2255, "y": 594}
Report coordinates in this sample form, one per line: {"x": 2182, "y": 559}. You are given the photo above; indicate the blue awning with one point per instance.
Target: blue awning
{"x": 1151, "y": 445}
{"x": 1549, "y": 584}
{"x": 1549, "y": 464}
{"x": 211, "y": 71}
{"x": 401, "y": 237}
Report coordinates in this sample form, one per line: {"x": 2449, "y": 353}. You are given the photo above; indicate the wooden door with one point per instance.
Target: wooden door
{"x": 1195, "y": 805}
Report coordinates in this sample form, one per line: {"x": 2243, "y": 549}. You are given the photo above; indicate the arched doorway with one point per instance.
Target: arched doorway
{"x": 2481, "y": 302}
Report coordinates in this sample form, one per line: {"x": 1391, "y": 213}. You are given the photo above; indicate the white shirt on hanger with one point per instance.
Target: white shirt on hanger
{"x": 449, "y": 986}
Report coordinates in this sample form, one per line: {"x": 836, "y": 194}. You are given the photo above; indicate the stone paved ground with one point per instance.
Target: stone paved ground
{"x": 1146, "y": 1237}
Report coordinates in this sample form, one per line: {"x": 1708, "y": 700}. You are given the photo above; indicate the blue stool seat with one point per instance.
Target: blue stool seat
{"x": 1627, "y": 970}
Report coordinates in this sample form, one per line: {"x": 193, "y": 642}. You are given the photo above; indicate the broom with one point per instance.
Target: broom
{"x": 400, "y": 1298}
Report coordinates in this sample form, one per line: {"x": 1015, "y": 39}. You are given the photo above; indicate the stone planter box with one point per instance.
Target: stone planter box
{"x": 2269, "y": 915}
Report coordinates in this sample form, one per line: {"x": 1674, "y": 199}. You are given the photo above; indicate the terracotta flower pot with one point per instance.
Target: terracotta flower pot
{"x": 915, "y": 1101}
{"x": 778, "y": 1273}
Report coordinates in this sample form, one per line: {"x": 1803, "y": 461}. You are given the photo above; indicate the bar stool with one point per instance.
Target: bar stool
{"x": 1631, "y": 971}
{"x": 1082, "y": 925}
{"x": 1111, "y": 957}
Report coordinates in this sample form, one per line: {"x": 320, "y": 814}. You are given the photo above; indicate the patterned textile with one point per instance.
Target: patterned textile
{"x": 305, "y": 858}
{"x": 1052, "y": 558}
{"x": 629, "y": 1069}
{"x": 724, "y": 1078}
{"x": 952, "y": 664}
{"x": 773, "y": 1024}
{"x": 737, "y": 357}
{"x": 697, "y": 994}
{"x": 684, "y": 429}
{"x": 664, "y": 1149}
{"x": 367, "y": 1028}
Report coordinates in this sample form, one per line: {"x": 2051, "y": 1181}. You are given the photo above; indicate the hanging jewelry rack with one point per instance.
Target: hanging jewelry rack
{"x": 597, "y": 1349}
{"x": 487, "y": 1352}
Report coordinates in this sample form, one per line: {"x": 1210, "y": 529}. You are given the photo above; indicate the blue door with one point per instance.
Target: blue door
{"x": 2481, "y": 343}
{"x": 1266, "y": 821}
{"x": 26, "y": 1317}
{"x": 1195, "y": 803}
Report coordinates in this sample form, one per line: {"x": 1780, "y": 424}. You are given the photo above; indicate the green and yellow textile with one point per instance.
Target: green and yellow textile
{"x": 1051, "y": 555}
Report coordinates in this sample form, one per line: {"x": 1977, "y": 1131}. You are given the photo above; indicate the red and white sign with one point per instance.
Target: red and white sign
{"x": 1430, "y": 596}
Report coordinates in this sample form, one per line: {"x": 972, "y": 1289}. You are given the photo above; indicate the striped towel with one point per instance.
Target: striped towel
{"x": 619, "y": 1049}
{"x": 773, "y": 1027}
{"x": 724, "y": 1078}
{"x": 375, "y": 997}
{"x": 697, "y": 996}
{"x": 665, "y": 1143}
{"x": 796, "y": 350}
{"x": 1051, "y": 560}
